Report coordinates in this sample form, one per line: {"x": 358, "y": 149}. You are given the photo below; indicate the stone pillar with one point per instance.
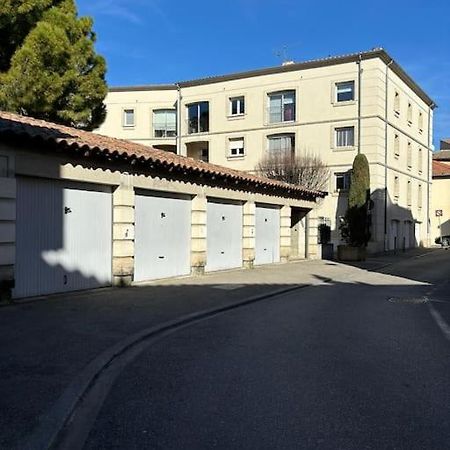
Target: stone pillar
{"x": 123, "y": 233}
{"x": 248, "y": 234}
{"x": 285, "y": 233}
{"x": 198, "y": 235}
{"x": 313, "y": 235}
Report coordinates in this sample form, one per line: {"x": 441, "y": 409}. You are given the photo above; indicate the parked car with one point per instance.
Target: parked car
{"x": 445, "y": 241}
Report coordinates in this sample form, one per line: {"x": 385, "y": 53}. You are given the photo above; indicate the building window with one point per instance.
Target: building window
{"x": 164, "y": 123}
{"x": 396, "y": 145}
{"x": 396, "y": 189}
{"x": 204, "y": 155}
{"x": 281, "y": 145}
{"x": 420, "y": 121}
{"x": 342, "y": 181}
{"x": 236, "y": 148}
{"x": 397, "y": 103}
{"x": 419, "y": 197}
{"x": 408, "y": 194}
{"x": 345, "y": 137}
{"x": 409, "y": 116}
{"x": 409, "y": 156}
{"x": 198, "y": 117}
{"x": 282, "y": 107}
{"x": 345, "y": 92}
{"x": 237, "y": 106}
{"x": 420, "y": 160}
{"x": 128, "y": 117}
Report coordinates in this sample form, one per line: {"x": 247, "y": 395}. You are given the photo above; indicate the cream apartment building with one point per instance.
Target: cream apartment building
{"x": 440, "y": 205}
{"x": 333, "y": 107}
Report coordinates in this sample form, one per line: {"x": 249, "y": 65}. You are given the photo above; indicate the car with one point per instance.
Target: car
{"x": 445, "y": 241}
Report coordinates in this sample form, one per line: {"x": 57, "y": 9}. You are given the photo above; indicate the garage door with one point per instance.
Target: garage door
{"x": 163, "y": 236}
{"x": 224, "y": 235}
{"x": 63, "y": 238}
{"x": 267, "y": 234}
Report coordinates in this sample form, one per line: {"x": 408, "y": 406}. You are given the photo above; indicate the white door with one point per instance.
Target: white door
{"x": 163, "y": 236}
{"x": 267, "y": 235}
{"x": 63, "y": 237}
{"x": 417, "y": 232}
{"x": 223, "y": 235}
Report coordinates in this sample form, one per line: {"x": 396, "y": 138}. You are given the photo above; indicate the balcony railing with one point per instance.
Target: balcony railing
{"x": 281, "y": 114}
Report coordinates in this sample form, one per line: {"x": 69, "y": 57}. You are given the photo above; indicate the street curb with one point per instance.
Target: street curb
{"x": 53, "y": 422}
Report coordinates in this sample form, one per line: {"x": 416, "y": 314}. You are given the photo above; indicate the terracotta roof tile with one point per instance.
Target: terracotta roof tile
{"x": 70, "y": 137}
{"x": 440, "y": 169}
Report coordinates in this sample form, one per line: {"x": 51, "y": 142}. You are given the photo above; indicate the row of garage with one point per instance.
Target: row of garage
{"x": 64, "y": 235}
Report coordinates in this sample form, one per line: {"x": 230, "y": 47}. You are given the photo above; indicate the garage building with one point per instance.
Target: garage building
{"x": 79, "y": 211}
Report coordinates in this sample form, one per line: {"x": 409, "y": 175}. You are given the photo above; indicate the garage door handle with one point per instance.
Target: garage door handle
{"x": 161, "y": 257}
{"x": 222, "y": 253}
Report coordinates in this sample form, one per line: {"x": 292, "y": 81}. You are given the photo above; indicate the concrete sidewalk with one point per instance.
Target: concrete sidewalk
{"x": 46, "y": 343}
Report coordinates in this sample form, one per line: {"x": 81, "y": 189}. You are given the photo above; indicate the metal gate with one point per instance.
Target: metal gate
{"x": 63, "y": 237}
{"x": 223, "y": 235}
{"x": 163, "y": 236}
{"x": 267, "y": 234}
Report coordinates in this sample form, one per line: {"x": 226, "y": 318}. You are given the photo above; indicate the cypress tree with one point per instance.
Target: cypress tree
{"x": 356, "y": 227}
{"x": 56, "y": 74}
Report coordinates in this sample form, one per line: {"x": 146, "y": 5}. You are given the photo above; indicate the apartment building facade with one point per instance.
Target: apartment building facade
{"x": 333, "y": 107}
{"x": 440, "y": 204}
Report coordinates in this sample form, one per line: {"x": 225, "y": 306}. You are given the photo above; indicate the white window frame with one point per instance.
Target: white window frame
{"x": 283, "y": 94}
{"x": 336, "y": 132}
{"x": 409, "y": 114}
{"x": 420, "y": 161}
{"x": 396, "y": 145}
{"x": 240, "y": 99}
{"x": 346, "y": 176}
{"x": 396, "y": 189}
{"x": 409, "y": 193}
{"x": 273, "y": 137}
{"x": 409, "y": 156}
{"x": 233, "y": 146}
{"x": 165, "y": 110}
{"x": 342, "y": 83}
{"x": 419, "y": 197}
{"x": 124, "y": 118}
{"x": 420, "y": 122}
{"x": 397, "y": 103}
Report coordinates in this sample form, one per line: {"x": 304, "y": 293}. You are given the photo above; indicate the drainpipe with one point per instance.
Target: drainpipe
{"x": 178, "y": 119}
{"x": 428, "y": 171}
{"x": 386, "y": 153}
{"x": 359, "y": 102}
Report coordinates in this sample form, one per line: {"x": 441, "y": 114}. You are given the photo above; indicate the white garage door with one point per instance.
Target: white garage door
{"x": 224, "y": 235}
{"x": 163, "y": 236}
{"x": 267, "y": 234}
{"x": 63, "y": 237}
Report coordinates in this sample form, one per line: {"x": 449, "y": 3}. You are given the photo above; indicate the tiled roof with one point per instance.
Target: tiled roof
{"x": 442, "y": 155}
{"x": 70, "y": 138}
{"x": 440, "y": 169}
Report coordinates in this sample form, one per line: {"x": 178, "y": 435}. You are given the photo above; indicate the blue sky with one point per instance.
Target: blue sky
{"x": 161, "y": 41}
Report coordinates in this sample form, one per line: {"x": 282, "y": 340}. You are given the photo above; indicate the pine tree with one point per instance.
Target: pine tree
{"x": 356, "y": 227}
{"x": 56, "y": 74}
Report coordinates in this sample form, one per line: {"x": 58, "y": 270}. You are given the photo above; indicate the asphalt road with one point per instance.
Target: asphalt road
{"x": 356, "y": 363}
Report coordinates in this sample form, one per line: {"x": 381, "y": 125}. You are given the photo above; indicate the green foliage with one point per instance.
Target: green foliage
{"x": 17, "y": 19}
{"x": 355, "y": 229}
{"x": 55, "y": 74}
{"x": 324, "y": 233}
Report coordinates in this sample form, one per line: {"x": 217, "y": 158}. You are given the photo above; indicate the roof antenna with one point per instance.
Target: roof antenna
{"x": 283, "y": 55}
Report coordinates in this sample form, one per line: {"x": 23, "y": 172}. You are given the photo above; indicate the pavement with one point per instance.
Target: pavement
{"x": 50, "y": 346}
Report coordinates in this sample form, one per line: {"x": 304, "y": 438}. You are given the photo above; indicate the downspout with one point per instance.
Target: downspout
{"x": 178, "y": 119}
{"x": 359, "y": 102}
{"x": 430, "y": 107}
{"x": 386, "y": 154}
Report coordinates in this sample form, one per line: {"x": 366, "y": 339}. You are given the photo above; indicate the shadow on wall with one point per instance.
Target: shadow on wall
{"x": 403, "y": 230}
{"x": 445, "y": 229}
